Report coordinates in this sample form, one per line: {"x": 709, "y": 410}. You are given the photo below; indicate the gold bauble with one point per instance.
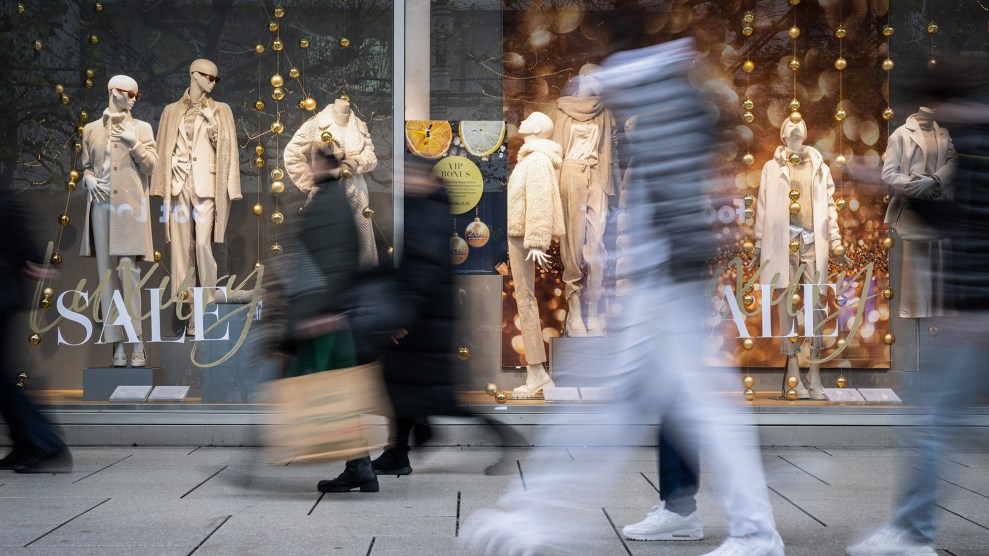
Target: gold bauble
{"x": 391, "y": 250}
{"x": 748, "y": 247}
{"x": 259, "y": 162}
{"x": 748, "y": 117}
{"x": 94, "y": 40}
{"x": 257, "y": 209}
{"x": 277, "y": 187}
{"x": 56, "y": 259}
{"x": 794, "y": 194}
{"x": 796, "y": 299}
{"x": 794, "y": 32}
{"x": 277, "y": 45}
{"x": 277, "y": 80}
{"x": 794, "y": 158}
{"x": 83, "y": 116}
{"x": 888, "y": 243}
{"x": 500, "y": 397}
{"x": 458, "y": 249}
{"x": 477, "y": 233}
{"x": 932, "y": 63}
{"x": 888, "y": 114}
{"x": 840, "y": 114}
{"x": 839, "y": 250}
{"x": 888, "y": 294}
{"x": 748, "y": 16}
{"x": 748, "y": 212}
{"x": 21, "y": 8}
{"x": 276, "y": 248}
{"x": 368, "y": 213}
{"x": 346, "y": 173}
{"x": 840, "y": 203}
{"x": 796, "y": 117}
{"x": 157, "y": 256}
{"x": 748, "y": 200}
{"x": 79, "y": 130}
{"x": 77, "y": 146}
{"x": 491, "y": 389}
{"x": 259, "y": 149}
{"x": 259, "y": 48}
{"x": 303, "y": 43}
{"x": 277, "y": 93}
{"x": 748, "y": 66}
{"x": 794, "y": 105}
{"x": 294, "y": 72}
{"x": 277, "y": 173}
{"x": 794, "y": 245}
{"x": 841, "y": 381}
{"x": 38, "y": 45}
{"x": 748, "y": 300}
{"x": 792, "y": 381}
{"x": 273, "y": 26}
{"x": 794, "y": 208}
{"x": 258, "y": 264}
{"x": 747, "y": 30}
{"x": 794, "y": 2}
{"x": 63, "y": 219}
{"x": 98, "y": 7}
{"x": 89, "y": 83}
{"x": 279, "y": 12}
{"x": 344, "y": 42}
{"x": 791, "y": 395}
{"x": 840, "y": 343}
{"x": 259, "y": 104}
{"x": 70, "y": 185}
{"x": 887, "y": 30}
{"x": 48, "y": 292}
{"x": 932, "y": 28}
{"x": 73, "y": 175}
{"x": 302, "y": 104}
{"x": 748, "y": 159}
{"x": 748, "y": 343}
{"x": 309, "y": 103}
{"x": 326, "y": 136}
{"x": 887, "y": 64}
{"x": 277, "y": 127}
{"x": 841, "y": 160}
{"x": 463, "y": 353}
{"x": 840, "y": 64}
{"x": 90, "y": 73}
{"x": 64, "y": 99}
{"x": 34, "y": 339}
{"x": 748, "y": 381}
{"x": 59, "y": 88}
{"x": 794, "y": 64}
{"x": 45, "y": 303}
{"x": 748, "y": 104}
{"x": 749, "y": 394}
{"x": 840, "y": 32}
{"x": 277, "y": 217}
{"x": 889, "y": 339}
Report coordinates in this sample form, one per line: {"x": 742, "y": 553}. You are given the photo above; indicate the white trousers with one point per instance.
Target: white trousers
{"x": 524, "y": 277}
{"x": 190, "y": 222}
{"x": 124, "y": 276}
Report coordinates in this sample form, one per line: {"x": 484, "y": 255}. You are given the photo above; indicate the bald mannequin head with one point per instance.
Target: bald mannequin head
{"x": 122, "y": 91}
{"x": 536, "y": 126}
{"x": 589, "y": 85}
{"x": 203, "y": 75}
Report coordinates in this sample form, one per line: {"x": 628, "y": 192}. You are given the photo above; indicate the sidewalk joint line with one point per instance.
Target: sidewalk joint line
{"x": 963, "y": 517}
{"x": 318, "y": 500}
{"x": 193, "y": 450}
{"x": 615, "y": 529}
{"x": 107, "y": 467}
{"x": 958, "y": 462}
{"x": 521, "y": 476}
{"x": 825, "y": 451}
{"x": 812, "y": 516}
{"x": 204, "y": 482}
{"x": 65, "y": 523}
{"x": 963, "y": 488}
{"x": 569, "y": 453}
{"x": 371, "y": 547}
{"x": 648, "y": 481}
{"x": 804, "y": 470}
{"x": 202, "y": 542}
{"x": 456, "y": 530}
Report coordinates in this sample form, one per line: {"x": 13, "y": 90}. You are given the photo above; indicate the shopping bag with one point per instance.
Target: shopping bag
{"x": 327, "y": 416}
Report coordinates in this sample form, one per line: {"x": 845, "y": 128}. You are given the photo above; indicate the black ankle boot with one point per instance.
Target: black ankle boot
{"x": 357, "y": 474}
{"x": 393, "y": 461}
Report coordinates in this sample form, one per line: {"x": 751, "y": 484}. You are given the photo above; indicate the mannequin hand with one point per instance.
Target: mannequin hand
{"x": 98, "y": 192}
{"x": 754, "y": 263}
{"x": 842, "y": 260}
{"x": 539, "y": 256}
{"x": 919, "y": 186}
{"x": 124, "y": 134}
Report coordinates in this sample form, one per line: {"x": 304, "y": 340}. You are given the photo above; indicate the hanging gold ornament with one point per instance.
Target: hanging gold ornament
{"x": 70, "y": 185}
{"x": 794, "y": 64}
{"x": 841, "y": 160}
{"x": 21, "y": 8}
{"x": 794, "y": 245}
{"x": 277, "y": 80}
{"x": 94, "y": 40}
{"x": 48, "y": 292}
{"x": 748, "y": 16}
{"x": 888, "y": 64}
{"x": 277, "y": 173}
{"x": 748, "y": 247}
{"x": 748, "y": 159}
{"x": 888, "y": 243}
{"x": 796, "y": 299}
{"x": 38, "y": 45}
{"x": 90, "y": 73}
{"x": 259, "y": 149}
{"x": 932, "y": 63}
{"x": 747, "y": 30}
{"x": 794, "y": 32}
{"x": 748, "y": 381}
{"x": 841, "y": 381}
{"x": 258, "y": 264}
{"x": 887, "y": 30}
{"x": 748, "y": 104}
{"x": 794, "y": 105}
{"x": 491, "y": 389}
{"x": 888, "y": 294}
{"x": 748, "y": 343}
{"x": 791, "y": 395}
{"x": 63, "y": 219}
{"x": 344, "y": 42}
{"x": 273, "y": 26}
{"x": 840, "y": 203}
{"x": 34, "y": 339}
{"x": 477, "y": 233}
{"x": 294, "y": 72}
{"x": 64, "y": 99}
{"x": 59, "y": 88}
{"x": 501, "y": 397}
{"x": 303, "y": 43}
{"x": 259, "y": 105}
{"x": 932, "y": 28}
{"x": 277, "y": 187}
{"x": 748, "y": 212}
{"x": 309, "y": 103}
{"x": 792, "y": 381}
{"x": 840, "y": 343}
{"x": 45, "y": 303}
{"x": 748, "y": 117}
{"x": 157, "y": 256}
{"x": 277, "y": 93}
{"x": 302, "y": 104}
{"x": 98, "y": 7}
{"x": 840, "y": 64}
{"x": 56, "y": 259}
{"x": 79, "y": 130}
{"x": 391, "y": 250}
{"x": 889, "y": 339}
{"x": 888, "y": 114}
{"x": 748, "y": 300}
{"x": 794, "y": 194}
{"x": 277, "y": 217}
{"x": 463, "y": 353}
{"x": 794, "y": 208}
{"x": 748, "y": 66}
{"x": 257, "y": 209}
{"x": 840, "y": 32}
{"x": 277, "y": 127}
{"x": 276, "y": 248}
{"x": 748, "y": 200}
{"x": 840, "y": 114}
{"x": 259, "y": 48}
{"x": 77, "y": 146}
{"x": 458, "y": 249}
{"x": 796, "y": 117}
{"x": 259, "y": 162}
{"x": 749, "y": 394}
{"x": 794, "y": 2}
{"x": 346, "y": 173}
{"x": 83, "y": 116}
{"x": 794, "y": 158}
{"x": 839, "y": 250}
{"x": 279, "y": 12}
{"x": 277, "y": 45}
{"x": 74, "y": 175}
{"x": 89, "y": 83}
{"x": 326, "y": 136}
{"x": 368, "y": 213}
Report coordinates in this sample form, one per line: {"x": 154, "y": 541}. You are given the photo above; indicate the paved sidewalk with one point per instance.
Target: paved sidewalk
{"x": 179, "y": 501}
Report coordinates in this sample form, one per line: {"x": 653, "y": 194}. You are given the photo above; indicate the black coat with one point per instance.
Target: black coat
{"x": 419, "y": 370}
{"x": 17, "y": 248}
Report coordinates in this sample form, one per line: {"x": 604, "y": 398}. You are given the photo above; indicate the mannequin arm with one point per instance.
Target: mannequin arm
{"x": 296, "y": 157}
{"x": 891, "y": 174}
{"x": 539, "y": 204}
{"x": 834, "y": 233}
{"x": 145, "y": 152}
{"x": 225, "y": 120}
{"x": 946, "y": 174}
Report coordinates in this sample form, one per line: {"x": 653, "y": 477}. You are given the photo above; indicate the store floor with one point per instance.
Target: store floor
{"x": 194, "y": 500}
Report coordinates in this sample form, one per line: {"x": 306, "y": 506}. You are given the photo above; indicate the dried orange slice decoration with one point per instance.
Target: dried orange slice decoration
{"x": 482, "y": 138}
{"x": 428, "y": 138}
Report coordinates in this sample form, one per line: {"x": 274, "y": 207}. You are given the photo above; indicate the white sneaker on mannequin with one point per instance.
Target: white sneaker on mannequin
{"x": 119, "y": 355}
{"x": 536, "y": 379}
{"x": 139, "y": 358}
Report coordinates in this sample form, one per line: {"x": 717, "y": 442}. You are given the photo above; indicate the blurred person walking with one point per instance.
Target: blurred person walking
{"x": 957, "y": 92}
{"x": 662, "y": 339}
{"x": 37, "y": 448}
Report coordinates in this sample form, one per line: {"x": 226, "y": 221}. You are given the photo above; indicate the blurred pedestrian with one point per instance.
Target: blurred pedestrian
{"x": 37, "y": 448}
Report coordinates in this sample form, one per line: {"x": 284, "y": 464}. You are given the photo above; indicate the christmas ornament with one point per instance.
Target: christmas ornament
{"x": 747, "y": 30}
{"x": 794, "y": 245}
{"x": 794, "y": 64}
{"x": 840, "y": 32}
{"x": 748, "y": 199}
{"x": 21, "y": 8}
{"x": 839, "y": 250}
{"x": 346, "y": 173}
{"x": 794, "y": 32}
{"x": 89, "y": 83}
{"x": 748, "y": 117}
{"x": 748, "y": 343}
{"x": 932, "y": 28}
{"x": 94, "y": 40}
{"x": 500, "y": 397}
{"x": 277, "y": 173}
{"x": 748, "y": 300}
{"x": 458, "y": 249}
{"x": 840, "y": 204}
{"x": 277, "y": 127}
{"x": 70, "y": 185}
{"x": 889, "y": 339}
{"x": 887, "y": 64}
{"x": 888, "y": 294}
{"x": 259, "y": 149}
{"x": 63, "y": 219}
{"x": 888, "y": 243}
{"x": 273, "y": 26}
{"x": 277, "y": 45}
{"x": 303, "y": 43}
{"x": 491, "y": 389}
{"x": 791, "y": 394}
{"x": 748, "y": 381}
{"x": 748, "y": 16}
{"x": 748, "y": 212}
{"x": 796, "y": 299}
{"x": 344, "y": 42}
{"x": 748, "y": 104}
{"x": 794, "y": 158}
{"x": 277, "y": 217}
{"x": 794, "y": 2}
{"x": 477, "y": 233}
{"x": 463, "y": 353}
{"x": 59, "y": 88}
{"x": 48, "y": 292}
{"x": 749, "y": 394}
{"x": 841, "y": 300}
{"x": 45, "y": 303}
{"x": 794, "y": 208}
{"x": 276, "y": 248}
{"x": 277, "y": 187}
{"x": 56, "y": 259}
{"x": 841, "y": 160}
{"x": 794, "y": 105}
{"x": 277, "y": 80}
{"x": 259, "y": 105}
{"x": 64, "y": 99}
{"x": 73, "y": 175}
{"x": 887, "y": 30}
{"x": 841, "y": 381}
{"x": 368, "y": 213}
{"x": 279, "y": 12}
{"x": 792, "y": 381}
{"x": 326, "y": 136}
{"x": 748, "y": 159}
{"x": 840, "y": 114}
{"x": 257, "y": 209}
{"x": 748, "y": 247}
{"x": 794, "y": 194}
{"x": 840, "y": 64}
{"x": 748, "y": 66}
{"x": 157, "y": 256}
{"x": 278, "y": 93}
{"x": 796, "y": 117}
{"x": 259, "y": 162}
{"x": 294, "y": 72}
{"x": 98, "y": 7}
{"x": 34, "y": 339}
{"x": 309, "y": 103}
{"x": 259, "y": 48}
{"x": 888, "y": 114}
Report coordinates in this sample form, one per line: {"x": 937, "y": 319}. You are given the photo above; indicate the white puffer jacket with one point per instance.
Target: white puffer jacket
{"x": 535, "y": 212}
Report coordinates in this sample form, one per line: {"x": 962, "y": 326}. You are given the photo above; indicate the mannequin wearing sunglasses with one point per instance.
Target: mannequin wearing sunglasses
{"x": 118, "y": 157}
{"x": 198, "y": 177}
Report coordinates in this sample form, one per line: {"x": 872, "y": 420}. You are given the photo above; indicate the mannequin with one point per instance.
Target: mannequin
{"x": 198, "y": 177}
{"x": 351, "y": 133}
{"x": 118, "y": 157}
{"x": 535, "y": 218}
{"x": 920, "y": 163}
{"x": 813, "y": 223}
{"x": 588, "y": 176}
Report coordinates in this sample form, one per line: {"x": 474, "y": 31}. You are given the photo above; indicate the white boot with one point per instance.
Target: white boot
{"x": 793, "y": 369}
{"x": 575, "y": 320}
{"x": 814, "y": 382}
{"x": 119, "y": 355}
{"x": 536, "y": 379}
{"x": 595, "y": 322}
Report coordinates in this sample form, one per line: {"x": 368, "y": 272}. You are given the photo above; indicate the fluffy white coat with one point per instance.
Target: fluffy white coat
{"x": 535, "y": 211}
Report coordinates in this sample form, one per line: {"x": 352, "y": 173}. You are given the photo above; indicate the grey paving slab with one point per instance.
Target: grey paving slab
{"x": 240, "y": 536}
{"x": 26, "y": 519}
{"x": 74, "y": 550}
{"x": 141, "y": 481}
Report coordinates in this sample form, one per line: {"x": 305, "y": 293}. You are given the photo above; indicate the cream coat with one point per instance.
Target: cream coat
{"x": 772, "y": 217}
{"x": 355, "y": 141}
{"x": 906, "y": 157}
{"x": 130, "y": 172}
{"x": 535, "y": 211}
{"x": 215, "y": 169}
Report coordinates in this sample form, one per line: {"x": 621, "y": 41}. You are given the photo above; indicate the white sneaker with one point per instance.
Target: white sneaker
{"x": 661, "y": 524}
{"x": 890, "y": 541}
{"x": 119, "y": 356}
{"x": 752, "y": 545}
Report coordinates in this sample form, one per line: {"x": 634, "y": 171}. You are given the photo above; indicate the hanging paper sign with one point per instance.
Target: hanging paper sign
{"x": 463, "y": 181}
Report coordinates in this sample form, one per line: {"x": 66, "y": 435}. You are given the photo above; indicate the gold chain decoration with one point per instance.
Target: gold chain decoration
{"x": 932, "y": 29}
{"x": 748, "y": 104}
{"x": 794, "y": 65}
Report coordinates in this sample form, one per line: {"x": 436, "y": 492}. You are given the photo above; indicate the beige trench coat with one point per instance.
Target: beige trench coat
{"x": 130, "y": 172}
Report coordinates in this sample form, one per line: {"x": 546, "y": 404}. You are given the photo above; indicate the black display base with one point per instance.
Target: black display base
{"x": 99, "y": 382}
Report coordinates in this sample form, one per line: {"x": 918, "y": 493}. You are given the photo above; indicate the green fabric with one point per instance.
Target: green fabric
{"x": 324, "y": 353}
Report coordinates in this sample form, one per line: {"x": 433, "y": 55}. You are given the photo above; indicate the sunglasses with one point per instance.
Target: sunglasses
{"x": 130, "y": 94}
{"x": 212, "y": 78}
